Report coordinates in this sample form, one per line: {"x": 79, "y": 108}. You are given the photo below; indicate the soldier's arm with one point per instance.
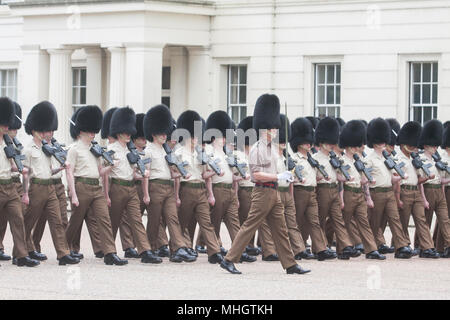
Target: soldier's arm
{"x": 177, "y": 191}
{"x": 424, "y": 198}
{"x": 211, "y": 198}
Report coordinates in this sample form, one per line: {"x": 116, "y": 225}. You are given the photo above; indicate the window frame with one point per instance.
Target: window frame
{"x": 76, "y": 106}
{"x": 411, "y": 105}
{"x": 326, "y": 84}
{"x": 238, "y": 85}
{"x": 7, "y": 87}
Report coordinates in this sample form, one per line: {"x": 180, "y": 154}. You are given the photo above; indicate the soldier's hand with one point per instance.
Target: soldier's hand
{"x": 178, "y": 202}
{"x": 75, "y": 201}
{"x": 211, "y": 201}
{"x": 25, "y": 170}
{"x": 400, "y": 204}
{"x": 431, "y": 177}
{"x": 426, "y": 204}
{"x": 25, "y": 199}
{"x": 147, "y": 200}
{"x": 370, "y": 203}
{"x": 108, "y": 201}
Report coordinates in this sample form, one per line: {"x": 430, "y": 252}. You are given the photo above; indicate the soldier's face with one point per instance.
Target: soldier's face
{"x": 3, "y": 129}
{"x": 305, "y": 147}
{"x": 160, "y": 138}
{"x": 89, "y": 135}
{"x": 125, "y": 137}
{"x": 12, "y": 133}
{"x": 430, "y": 149}
{"x": 48, "y": 135}
{"x": 140, "y": 143}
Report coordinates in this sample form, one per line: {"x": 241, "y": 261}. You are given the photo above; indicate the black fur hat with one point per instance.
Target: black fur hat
{"x": 7, "y": 111}
{"x": 409, "y": 134}
{"x": 17, "y": 123}
{"x": 327, "y": 131}
{"x": 341, "y": 123}
{"x": 186, "y": 121}
{"x": 282, "y": 131}
{"x": 42, "y": 117}
{"x": 246, "y": 124}
{"x": 446, "y": 124}
{"x": 107, "y": 122}
{"x": 139, "y": 126}
{"x": 158, "y": 120}
{"x": 378, "y": 131}
{"x": 431, "y": 134}
{"x": 395, "y": 128}
{"x": 446, "y": 138}
{"x": 267, "y": 112}
{"x": 314, "y": 121}
{"x": 89, "y": 119}
{"x": 219, "y": 120}
{"x": 123, "y": 120}
{"x": 74, "y": 131}
{"x": 352, "y": 134}
{"x": 302, "y": 132}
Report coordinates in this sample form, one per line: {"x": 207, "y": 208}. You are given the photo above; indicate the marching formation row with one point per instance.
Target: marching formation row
{"x": 323, "y": 180}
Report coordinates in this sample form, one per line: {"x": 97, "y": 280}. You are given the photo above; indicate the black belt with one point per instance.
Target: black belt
{"x": 42, "y": 182}
{"x": 198, "y": 185}
{"x": 162, "y": 181}
{"x": 223, "y": 185}
{"x": 271, "y": 185}
{"x": 283, "y": 189}
{"x": 5, "y": 181}
{"x": 381, "y": 189}
{"x": 57, "y": 181}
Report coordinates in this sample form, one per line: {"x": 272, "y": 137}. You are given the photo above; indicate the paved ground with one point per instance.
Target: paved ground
{"x": 355, "y": 279}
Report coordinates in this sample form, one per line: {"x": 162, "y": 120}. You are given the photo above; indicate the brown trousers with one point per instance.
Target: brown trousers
{"x": 413, "y": 204}
{"x": 94, "y": 234}
{"x": 437, "y": 235}
{"x": 438, "y": 205}
{"x": 266, "y": 204}
{"x": 125, "y": 205}
{"x": 4, "y": 217}
{"x": 11, "y": 209}
{"x": 330, "y": 207}
{"x": 385, "y": 204}
{"x": 295, "y": 236}
{"x": 225, "y": 209}
{"x": 43, "y": 201}
{"x": 39, "y": 229}
{"x": 307, "y": 213}
{"x": 162, "y": 204}
{"x": 355, "y": 209}
{"x": 352, "y": 229}
{"x": 264, "y": 235}
{"x": 194, "y": 202}
{"x": 91, "y": 199}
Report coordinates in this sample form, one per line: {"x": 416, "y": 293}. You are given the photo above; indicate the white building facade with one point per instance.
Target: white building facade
{"x": 350, "y": 58}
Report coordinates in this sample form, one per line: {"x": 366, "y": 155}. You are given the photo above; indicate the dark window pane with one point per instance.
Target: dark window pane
{"x": 330, "y": 94}
{"x": 338, "y": 94}
{"x": 320, "y": 74}
{"x": 426, "y": 88}
{"x": 322, "y": 112}
{"x": 75, "y": 77}
{"x": 434, "y": 112}
{"x": 416, "y": 93}
{"x": 166, "y": 101}
{"x": 243, "y": 75}
{"x": 233, "y": 95}
{"x": 83, "y": 77}
{"x": 242, "y": 95}
{"x": 243, "y": 113}
{"x": 234, "y": 75}
{"x": 75, "y": 96}
{"x": 418, "y": 114}
{"x": 435, "y": 94}
{"x": 235, "y": 114}
{"x": 321, "y": 94}
{"x": 166, "y": 78}
{"x": 427, "y": 114}
{"x": 435, "y": 72}
{"x": 3, "y": 78}
{"x": 83, "y": 96}
{"x": 330, "y": 73}
{"x": 338, "y": 111}
{"x": 416, "y": 72}
{"x": 338, "y": 73}
{"x": 12, "y": 78}
{"x": 426, "y": 76}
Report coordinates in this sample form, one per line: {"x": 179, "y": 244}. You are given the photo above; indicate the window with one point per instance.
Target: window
{"x": 423, "y": 91}
{"x": 165, "y": 94}
{"x": 8, "y": 83}
{"x": 327, "y": 90}
{"x": 78, "y": 88}
{"x": 237, "y": 92}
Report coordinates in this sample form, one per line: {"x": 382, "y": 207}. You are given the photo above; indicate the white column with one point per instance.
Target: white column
{"x": 198, "y": 84}
{"x": 117, "y": 77}
{"x": 178, "y": 80}
{"x": 60, "y": 89}
{"x": 143, "y": 76}
{"x": 94, "y": 76}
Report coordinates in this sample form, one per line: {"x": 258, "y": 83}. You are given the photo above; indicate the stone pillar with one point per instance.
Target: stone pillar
{"x": 143, "y": 75}
{"x": 117, "y": 77}
{"x": 94, "y": 76}
{"x": 198, "y": 96}
{"x": 178, "y": 80}
{"x": 60, "y": 89}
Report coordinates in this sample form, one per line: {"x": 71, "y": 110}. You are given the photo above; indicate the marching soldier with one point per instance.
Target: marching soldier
{"x": 307, "y": 210}
{"x": 352, "y": 138}
{"x": 382, "y": 193}
{"x": 83, "y": 180}
{"x": 409, "y": 199}
{"x": 190, "y": 192}
{"x": 124, "y": 200}
{"x": 10, "y": 205}
{"x": 266, "y": 201}
{"x": 157, "y": 125}
{"x": 226, "y": 201}
{"x": 39, "y": 190}
{"x": 328, "y": 198}
{"x": 430, "y": 139}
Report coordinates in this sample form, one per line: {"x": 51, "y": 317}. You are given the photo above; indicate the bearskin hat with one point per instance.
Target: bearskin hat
{"x": 314, "y": 121}
{"x": 352, "y": 134}
{"x": 446, "y": 138}
{"x": 123, "y": 120}
{"x": 139, "y": 126}
{"x": 395, "y": 128}
{"x": 42, "y": 117}
{"x": 267, "y": 112}
{"x": 378, "y": 131}
{"x": 327, "y": 131}
{"x": 302, "y": 132}
{"x": 17, "y": 123}
{"x": 187, "y": 119}
{"x": 282, "y": 132}
{"x": 107, "y": 122}
{"x": 409, "y": 134}
{"x": 219, "y": 120}
{"x": 158, "y": 120}
{"x": 7, "y": 111}
{"x": 74, "y": 131}
{"x": 89, "y": 119}
{"x": 431, "y": 134}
